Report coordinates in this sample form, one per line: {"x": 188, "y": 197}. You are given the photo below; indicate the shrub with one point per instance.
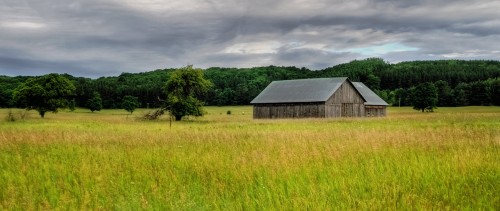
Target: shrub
{"x": 11, "y": 117}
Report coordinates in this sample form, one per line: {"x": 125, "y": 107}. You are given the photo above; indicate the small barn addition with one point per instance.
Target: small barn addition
{"x": 374, "y": 105}
{"x": 317, "y": 98}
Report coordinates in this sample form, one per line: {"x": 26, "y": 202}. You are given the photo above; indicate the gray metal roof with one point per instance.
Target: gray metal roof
{"x": 370, "y": 96}
{"x": 298, "y": 91}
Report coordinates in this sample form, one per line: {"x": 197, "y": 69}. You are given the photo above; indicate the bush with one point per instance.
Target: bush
{"x": 11, "y": 117}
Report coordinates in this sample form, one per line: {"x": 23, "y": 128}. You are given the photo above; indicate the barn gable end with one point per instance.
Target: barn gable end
{"x": 345, "y": 102}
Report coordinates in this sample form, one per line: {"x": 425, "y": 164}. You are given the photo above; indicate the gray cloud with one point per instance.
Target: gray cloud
{"x": 106, "y": 37}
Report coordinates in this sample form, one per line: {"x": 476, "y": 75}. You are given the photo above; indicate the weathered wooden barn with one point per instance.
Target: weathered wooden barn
{"x": 317, "y": 98}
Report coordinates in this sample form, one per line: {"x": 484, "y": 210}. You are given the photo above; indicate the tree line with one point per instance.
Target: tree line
{"x": 458, "y": 83}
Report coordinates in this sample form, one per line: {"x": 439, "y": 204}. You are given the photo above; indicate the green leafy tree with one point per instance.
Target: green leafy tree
{"x": 95, "y": 102}
{"x": 401, "y": 97}
{"x": 182, "y": 88}
{"x": 72, "y": 104}
{"x": 425, "y": 97}
{"x": 44, "y": 94}
{"x": 386, "y": 95}
{"x": 5, "y": 97}
{"x": 479, "y": 93}
{"x": 372, "y": 81}
{"x": 460, "y": 95}
{"x": 130, "y": 103}
{"x": 494, "y": 90}
{"x": 444, "y": 93}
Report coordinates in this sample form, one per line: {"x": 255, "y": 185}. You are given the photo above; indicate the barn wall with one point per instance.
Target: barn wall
{"x": 375, "y": 111}
{"x": 345, "y": 102}
{"x": 288, "y": 110}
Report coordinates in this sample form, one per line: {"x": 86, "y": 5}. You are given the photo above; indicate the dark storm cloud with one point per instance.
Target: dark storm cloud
{"x": 39, "y": 67}
{"x": 107, "y": 37}
{"x": 318, "y": 58}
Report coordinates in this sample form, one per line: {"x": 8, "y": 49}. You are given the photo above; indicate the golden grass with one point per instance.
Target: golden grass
{"x": 111, "y": 160}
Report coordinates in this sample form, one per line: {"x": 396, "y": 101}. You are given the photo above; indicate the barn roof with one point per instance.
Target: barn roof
{"x": 370, "y": 96}
{"x": 299, "y": 91}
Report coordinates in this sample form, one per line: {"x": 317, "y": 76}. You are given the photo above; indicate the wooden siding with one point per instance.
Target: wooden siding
{"x": 289, "y": 110}
{"x": 375, "y": 111}
{"x": 345, "y": 102}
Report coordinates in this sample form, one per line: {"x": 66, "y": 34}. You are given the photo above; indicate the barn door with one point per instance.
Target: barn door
{"x": 347, "y": 109}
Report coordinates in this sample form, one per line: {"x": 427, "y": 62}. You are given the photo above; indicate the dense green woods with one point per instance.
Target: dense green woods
{"x": 459, "y": 83}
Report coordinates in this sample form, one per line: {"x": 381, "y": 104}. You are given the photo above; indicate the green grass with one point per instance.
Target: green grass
{"x": 448, "y": 159}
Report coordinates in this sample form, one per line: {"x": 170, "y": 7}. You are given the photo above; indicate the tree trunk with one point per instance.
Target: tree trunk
{"x": 42, "y": 114}
{"x": 178, "y": 118}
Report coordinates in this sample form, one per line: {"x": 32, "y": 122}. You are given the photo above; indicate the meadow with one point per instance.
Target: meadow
{"x": 449, "y": 159}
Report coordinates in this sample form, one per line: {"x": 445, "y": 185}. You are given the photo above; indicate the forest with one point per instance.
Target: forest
{"x": 459, "y": 82}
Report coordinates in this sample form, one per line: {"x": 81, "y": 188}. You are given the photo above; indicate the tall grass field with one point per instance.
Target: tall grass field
{"x": 110, "y": 160}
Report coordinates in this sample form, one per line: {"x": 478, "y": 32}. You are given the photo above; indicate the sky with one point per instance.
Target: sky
{"x": 94, "y": 38}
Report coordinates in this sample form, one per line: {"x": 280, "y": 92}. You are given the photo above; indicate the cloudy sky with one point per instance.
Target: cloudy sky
{"x": 94, "y": 38}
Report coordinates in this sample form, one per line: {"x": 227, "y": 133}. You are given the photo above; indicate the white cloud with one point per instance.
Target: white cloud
{"x": 469, "y": 53}
{"x": 380, "y": 50}
{"x": 22, "y": 25}
{"x": 262, "y": 47}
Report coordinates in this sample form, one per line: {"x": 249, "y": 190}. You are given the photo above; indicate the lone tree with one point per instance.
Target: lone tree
{"x": 95, "y": 102}
{"x": 46, "y": 93}
{"x": 425, "y": 97}
{"x": 182, "y": 88}
{"x": 130, "y": 103}
{"x": 72, "y": 105}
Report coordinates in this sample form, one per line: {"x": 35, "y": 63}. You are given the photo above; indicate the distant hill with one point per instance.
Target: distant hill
{"x": 461, "y": 82}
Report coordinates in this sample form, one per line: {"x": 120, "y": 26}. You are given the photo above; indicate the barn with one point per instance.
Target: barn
{"x": 317, "y": 98}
